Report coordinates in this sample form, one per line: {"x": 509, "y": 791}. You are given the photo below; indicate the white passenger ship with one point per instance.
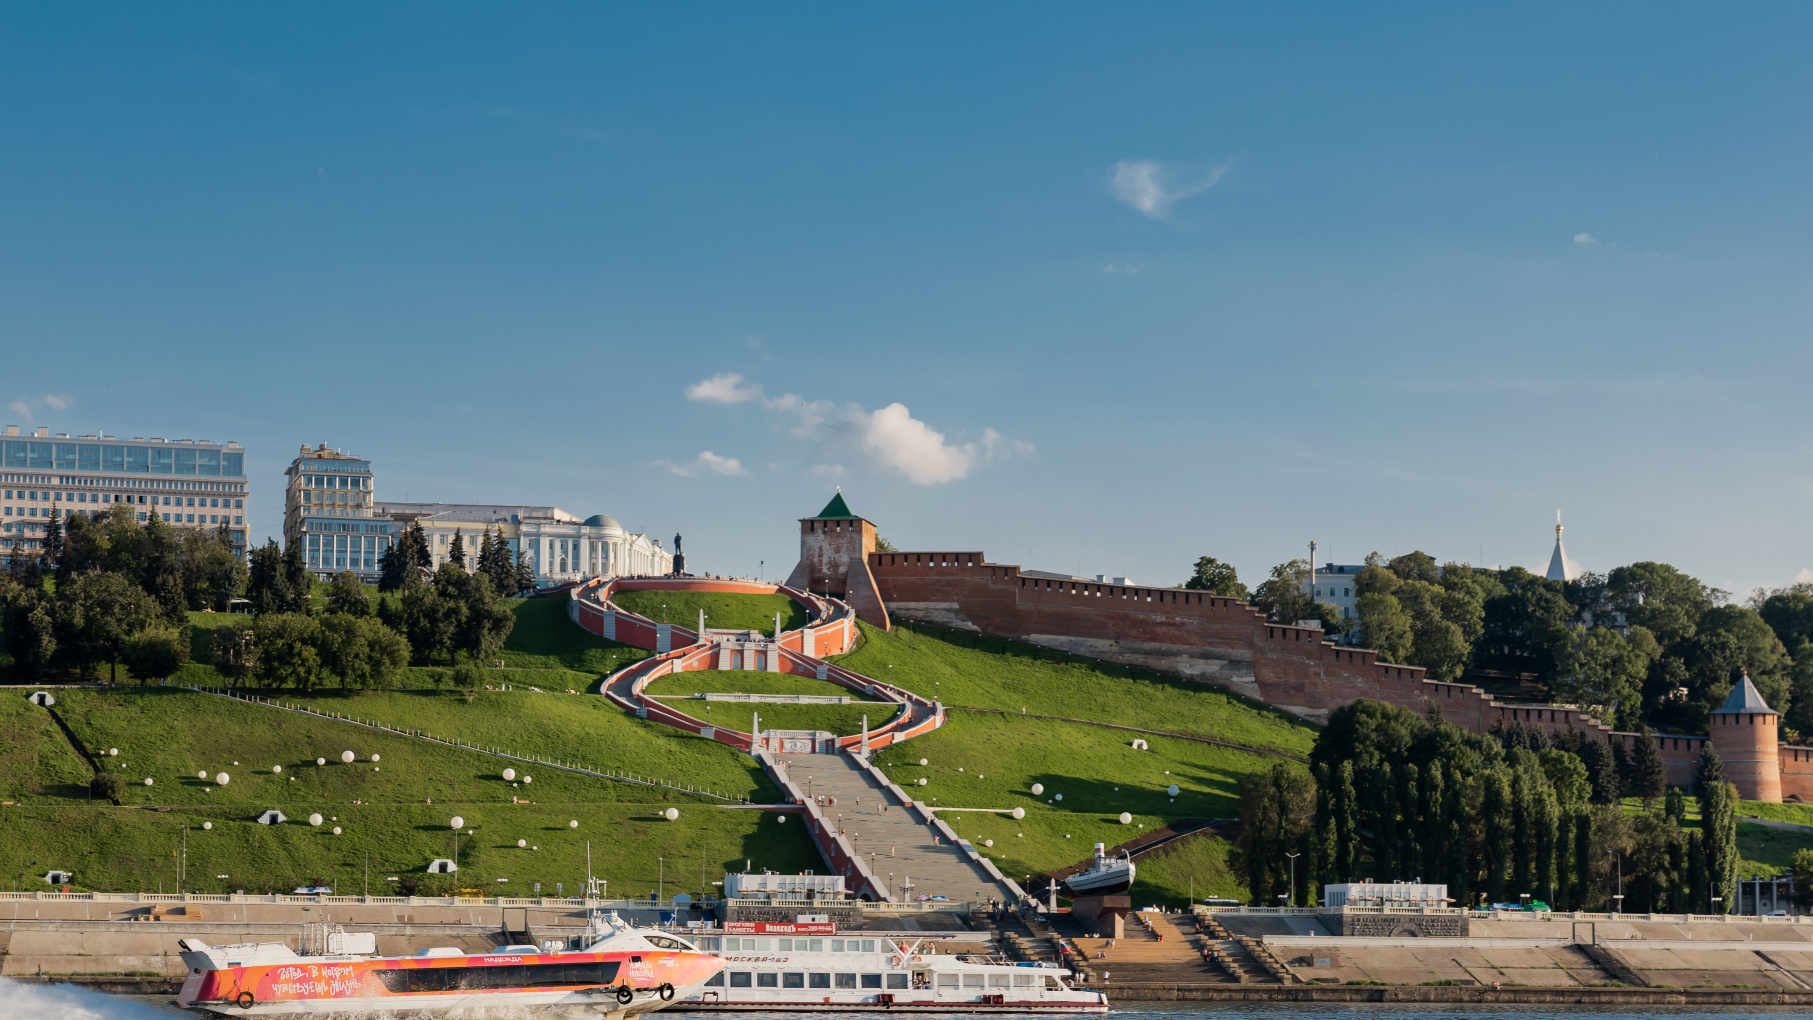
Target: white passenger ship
{"x": 855, "y": 972}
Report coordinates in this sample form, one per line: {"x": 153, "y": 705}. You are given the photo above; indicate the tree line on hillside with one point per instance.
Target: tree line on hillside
{"x": 1391, "y": 795}
{"x": 1645, "y": 644}
{"x": 116, "y": 591}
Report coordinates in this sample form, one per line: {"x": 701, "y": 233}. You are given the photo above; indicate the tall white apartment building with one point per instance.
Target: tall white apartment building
{"x": 191, "y": 483}
{"x": 327, "y": 506}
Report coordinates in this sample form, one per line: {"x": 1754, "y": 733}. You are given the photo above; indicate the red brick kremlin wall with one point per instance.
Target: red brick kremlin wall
{"x": 1206, "y": 638}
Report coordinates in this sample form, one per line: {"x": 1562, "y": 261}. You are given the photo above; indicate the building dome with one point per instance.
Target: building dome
{"x": 603, "y": 521}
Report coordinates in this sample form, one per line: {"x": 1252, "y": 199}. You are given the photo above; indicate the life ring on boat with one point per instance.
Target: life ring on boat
{"x": 893, "y": 961}
{"x": 667, "y": 992}
{"x": 624, "y": 995}
{"x": 918, "y": 959}
{"x": 246, "y": 1000}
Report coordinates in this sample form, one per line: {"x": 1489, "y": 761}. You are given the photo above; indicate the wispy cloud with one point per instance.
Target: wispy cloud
{"x": 24, "y": 405}
{"x": 1152, "y": 188}
{"x": 1586, "y": 240}
{"x": 889, "y": 439}
{"x": 705, "y": 462}
{"x": 1128, "y": 270}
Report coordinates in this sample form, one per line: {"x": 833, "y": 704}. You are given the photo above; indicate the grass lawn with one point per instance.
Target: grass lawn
{"x": 723, "y": 610}
{"x": 36, "y": 759}
{"x": 170, "y": 735}
{"x": 132, "y": 849}
{"x": 1100, "y": 776}
{"x": 988, "y": 672}
{"x": 544, "y": 638}
{"x": 748, "y": 681}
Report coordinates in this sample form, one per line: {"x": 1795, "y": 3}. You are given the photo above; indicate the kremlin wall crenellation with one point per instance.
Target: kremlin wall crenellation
{"x": 1226, "y": 642}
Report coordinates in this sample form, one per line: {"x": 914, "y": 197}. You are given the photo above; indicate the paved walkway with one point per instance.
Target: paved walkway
{"x": 899, "y": 847}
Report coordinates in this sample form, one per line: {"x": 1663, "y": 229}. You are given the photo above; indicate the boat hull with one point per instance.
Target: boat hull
{"x": 1111, "y": 881}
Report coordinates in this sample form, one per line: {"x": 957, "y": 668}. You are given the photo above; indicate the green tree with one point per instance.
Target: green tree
{"x": 1217, "y": 578}
{"x": 1651, "y": 772}
{"x": 346, "y": 595}
{"x": 496, "y": 564}
{"x": 361, "y": 652}
{"x": 28, "y": 622}
{"x": 53, "y": 536}
{"x": 1602, "y": 672}
{"x": 297, "y": 577}
{"x": 95, "y": 613}
{"x": 1414, "y": 566}
{"x": 456, "y": 553}
{"x": 156, "y": 651}
{"x": 267, "y": 586}
{"x": 233, "y": 651}
{"x": 1385, "y": 627}
{"x": 525, "y": 575}
{"x": 84, "y": 545}
{"x": 1566, "y": 776}
{"x": 1276, "y": 809}
{"x": 1284, "y": 597}
{"x": 107, "y": 786}
{"x": 1660, "y": 599}
{"x": 486, "y": 623}
{"x": 1519, "y": 625}
{"x": 287, "y": 654}
{"x": 1802, "y": 870}
{"x": 1346, "y": 834}
{"x": 1728, "y": 642}
{"x": 1790, "y": 615}
{"x": 1496, "y": 816}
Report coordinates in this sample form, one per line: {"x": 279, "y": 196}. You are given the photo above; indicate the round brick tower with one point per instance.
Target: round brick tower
{"x": 1745, "y": 734}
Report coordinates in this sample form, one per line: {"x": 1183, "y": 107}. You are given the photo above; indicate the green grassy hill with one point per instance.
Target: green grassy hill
{"x": 973, "y": 671}
{"x": 723, "y": 610}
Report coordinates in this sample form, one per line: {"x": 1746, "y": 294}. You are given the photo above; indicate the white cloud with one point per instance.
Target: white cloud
{"x": 1586, "y": 240}
{"x": 23, "y": 406}
{"x": 1129, "y": 270}
{"x": 723, "y": 388}
{"x": 1151, "y": 188}
{"x": 705, "y": 461}
{"x": 890, "y": 439}
{"x": 1804, "y": 577}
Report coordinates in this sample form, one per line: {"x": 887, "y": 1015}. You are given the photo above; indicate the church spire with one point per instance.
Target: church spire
{"x": 1560, "y": 567}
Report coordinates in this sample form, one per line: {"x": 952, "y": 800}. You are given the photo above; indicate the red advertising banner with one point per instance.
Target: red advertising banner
{"x": 764, "y": 928}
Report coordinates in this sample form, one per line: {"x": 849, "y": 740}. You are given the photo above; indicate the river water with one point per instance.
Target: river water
{"x": 66, "y": 1002}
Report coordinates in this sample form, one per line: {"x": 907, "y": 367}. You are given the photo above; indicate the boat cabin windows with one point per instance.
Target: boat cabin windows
{"x": 820, "y": 981}
{"x": 663, "y": 942}
{"x": 948, "y": 980}
{"x": 802, "y": 945}
{"x": 741, "y": 979}
{"x": 449, "y": 979}
{"x": 852, "y": 945}
{"x": 795, "y": 980}
{"x": 846, "y": 981}
{"x": 897, "y": 980}
{"x": 871, "y": 980}
{"x": 767, "y": 979}
{"x": 1000, "y": 980}
{"x": 1024, "y": 980}
{"x": 974, "y": 980}
{"x": 715, "y": 981}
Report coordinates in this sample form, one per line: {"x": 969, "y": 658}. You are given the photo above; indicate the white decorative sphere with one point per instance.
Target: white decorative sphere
{"x": 574, "y": 824}
{"x": 114, "y": 751}
{"x": 336, "y": 830}
{"x": 922, "y": 761}
{"x": 1126, "y": 818}
{"x": 1172, "y": 790}
{"x": 202, "y": 774}
{"x": 1019, "y": 813}
{"x": 321, "y": 761}
{"x": 207, "y": 825}
{"x": 1038, "y": 789}
{"x": 223, "y": 779}
{"x": 988, "y": 842}
{"x": 314, "y": 819}
{"x": 277, "y": 770}
{"x": 458, "y": 822}
{"x": 509, "y": 775}
{"x": 1057, "y": 796}
{"x": 374, "y": 768}
{"x": 673, "y": 814}
{"x": 782, "y": 819}
{"x": 921, "y": 780}
{"x": 347, "y": 757}
{"x": 521, "y": 843}
{"x": 374, "y": 758}
{"x": 147, "y": 780}
{"x": 527, "y": 780}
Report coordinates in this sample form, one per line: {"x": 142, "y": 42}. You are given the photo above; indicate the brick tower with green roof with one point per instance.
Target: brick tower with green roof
{"x": 834, "y": 550}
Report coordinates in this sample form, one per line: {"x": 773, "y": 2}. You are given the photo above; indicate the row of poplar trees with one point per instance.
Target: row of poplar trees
{"x": 1391, "y": 795}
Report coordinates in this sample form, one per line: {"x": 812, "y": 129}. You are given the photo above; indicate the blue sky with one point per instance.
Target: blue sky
{"x": 1094, "y": 288}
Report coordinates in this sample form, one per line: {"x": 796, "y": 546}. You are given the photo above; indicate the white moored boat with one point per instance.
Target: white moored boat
{"x": 856, "y": 972}
{"x": 618, "y": 970}
{"x": 1108, "y": 876}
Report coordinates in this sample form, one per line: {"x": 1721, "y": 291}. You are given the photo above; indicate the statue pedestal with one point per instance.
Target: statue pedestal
{"x": 1105, "y": 915}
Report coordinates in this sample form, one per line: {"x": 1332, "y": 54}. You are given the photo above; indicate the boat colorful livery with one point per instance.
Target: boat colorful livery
{"x": 627, "y": 971}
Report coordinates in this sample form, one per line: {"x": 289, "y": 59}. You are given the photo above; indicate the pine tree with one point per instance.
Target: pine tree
{"x": 1408, "y": 852}
{"x": 1325, "y": 822}
{"x": 1384, "y": 818}
{"x": 1711, "y": 771}
{"x": 53, "y": 537}
{"x": 296, "y": 578}
{"x": 1460, "y": 866}
{"x": 1543, "y": 810}
{"x": 1696, "y": 874}
{"x": 1583, "y": 858}
{"x": 1675, "y": 807}
{"x": 1622, "y": 766}
{"x": 1652, "y": 772}
{"x": 456, "y": 553}
{"x": 1564, "y": 860}
{"x": 1496, "y": 811}
{"x": 1718, "y": 821}
{"x": 1345, "y": 830}
{"x": 525, "y": 575}
{"x": 1523, "y": 833}
{"x": 1435, "y": 827}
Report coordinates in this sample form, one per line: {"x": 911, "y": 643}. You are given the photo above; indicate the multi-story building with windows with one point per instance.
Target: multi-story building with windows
{"x": 560, "y": 546}
{"x": 327, "y": 506}
{"x": 187, "y": 482}
{"x": 330, "y": 505}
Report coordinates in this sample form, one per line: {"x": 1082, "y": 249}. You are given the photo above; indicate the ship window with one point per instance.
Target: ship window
{"x": 786, "y": 945}
{"x": 871, "y": 980}
{"x": 846, "y": 981}
{"x": 837, "y": 945}
{"x": 973, "y": 980}
{"x": 797, "y": 980}
{"x": 1023, "y": 980}
{"x": 763, "y": 945}
{"x": 868, "y": 945}
{"x": 999, "y": 980}
{"x": 897, "y": 980}
{"x": 767, "y": 979}
{"x": 739, "y": 979}
{"x": 947, "y": 981}
{"x": 816, "y": 945}
{"x": 716, "y": 981}
{"x": 821, "y": 981}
